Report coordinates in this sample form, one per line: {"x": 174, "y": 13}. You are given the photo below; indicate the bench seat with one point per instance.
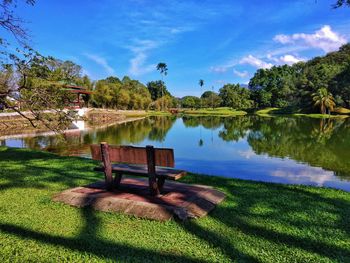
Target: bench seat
{"x": 141, "y": 170}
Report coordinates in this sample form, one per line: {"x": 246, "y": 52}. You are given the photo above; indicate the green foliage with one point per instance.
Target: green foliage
{"x": 324, "y": 100}
{"x": 37, "y": 83}
{"x": 235, "y": 97}
{"x": 283, "y": 86}
{"x": 210, "y": 99}
{"x": 162, "y": 68}
{"x": 125, "y": 94}
{"x": 257, "y": 222}
{"x": 157, "y": 89}
{"x": 163, "y": 103}
{"x": 274, "y": 87}
{"x": 190, "y": 102}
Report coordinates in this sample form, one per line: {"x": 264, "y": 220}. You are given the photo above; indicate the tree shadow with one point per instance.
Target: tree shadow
{"x": 237, "y": 213}
{"x": 284, "y": 203}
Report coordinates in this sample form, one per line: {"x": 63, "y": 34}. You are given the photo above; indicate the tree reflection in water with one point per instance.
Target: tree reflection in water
{"x": 318, "y": 142}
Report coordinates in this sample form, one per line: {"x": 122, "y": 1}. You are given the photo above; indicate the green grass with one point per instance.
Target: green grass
{"x": 158, "y": 113}
{"x": 224, "y": 111}
{"x": 270, "y": 112}
{"x": 258, "y": 222}
{"x": 319, "y": 116}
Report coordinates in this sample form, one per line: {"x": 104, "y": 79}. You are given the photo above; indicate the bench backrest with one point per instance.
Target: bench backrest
{"x": 134, "y": 155}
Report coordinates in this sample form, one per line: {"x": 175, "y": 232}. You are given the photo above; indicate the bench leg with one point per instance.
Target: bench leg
{"x": 109, "y": 182}
{"x": 117, "y": 179}
{"x": 153, "y": 185}
{"x": 160, "y": 183}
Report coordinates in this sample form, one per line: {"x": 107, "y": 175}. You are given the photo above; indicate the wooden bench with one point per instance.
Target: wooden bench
{"x": 155, "y": 163}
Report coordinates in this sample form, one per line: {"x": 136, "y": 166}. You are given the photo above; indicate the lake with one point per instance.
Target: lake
{"x": 296, "y": 150}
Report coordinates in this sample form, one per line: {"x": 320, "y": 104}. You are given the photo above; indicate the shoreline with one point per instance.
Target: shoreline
{"x": 69, "y": 131}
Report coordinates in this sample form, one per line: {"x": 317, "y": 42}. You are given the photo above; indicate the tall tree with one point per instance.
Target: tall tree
{"x": 157, "y": 89}
{"x": 163, "y": 69}
{"x": 201, "y": 84}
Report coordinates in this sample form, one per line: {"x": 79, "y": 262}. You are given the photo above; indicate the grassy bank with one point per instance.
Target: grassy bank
{"x": 222, "y": 111}
{"x": 270, "y": 112}
{"x": 258, "y": 222}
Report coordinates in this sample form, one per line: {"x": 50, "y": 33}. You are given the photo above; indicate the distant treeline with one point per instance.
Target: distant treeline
{"x": 319, "y": 84}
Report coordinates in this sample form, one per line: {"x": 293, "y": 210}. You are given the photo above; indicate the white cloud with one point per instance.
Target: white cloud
{"x": 284, "y": 39}
{"x": 290, "y": 59}
{"x": 102, "y": 62}
{"x": 219, "y": 69}
{"x": 179, "y": 30}
{"x": 325, "y": 39}
{"x": 255, "y": 62}
{"x": 314, "y": 175}
{"x": 241, "y": 74}
{"x": 220, "y": 81}
{"x": 138, "y": 67}
{"x": 285, "y": 59}
{"x": 140, "y": 48}
{"x": 247, "y": 153}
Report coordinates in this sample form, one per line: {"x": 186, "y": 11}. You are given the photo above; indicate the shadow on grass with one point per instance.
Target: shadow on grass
{"x": 237, "y": 214}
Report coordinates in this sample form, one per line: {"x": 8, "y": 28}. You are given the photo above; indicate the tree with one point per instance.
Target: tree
{"x": 190, "y": 102}
{"x": 162, "y": 103}
{"x": 11, "y": 22}
{"x": 163, "y": 69}
{"x": 201, "y": 83}
{"x": 157, "y": 89}
{"x": 125, "y": 94}
{"x": 279, "y": 82}
{"x": 33, "y": 85}
{"x": 235, "y": 97}
{"x": 30, "y": 84}
{"x": 324, "y": 100}
{"x": 210, "y": 99}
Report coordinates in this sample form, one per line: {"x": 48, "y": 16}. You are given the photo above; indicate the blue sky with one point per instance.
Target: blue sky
{"x": 217, "y": 41}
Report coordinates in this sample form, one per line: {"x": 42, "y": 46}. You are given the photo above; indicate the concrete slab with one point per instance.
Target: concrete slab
{"x": 178, "y": 200}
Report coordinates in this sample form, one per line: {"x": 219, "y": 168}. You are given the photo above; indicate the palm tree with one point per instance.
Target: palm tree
{"x": 201, "y": 83}
{"x": 163, "y": 69}
{"x": 324, "y": 100}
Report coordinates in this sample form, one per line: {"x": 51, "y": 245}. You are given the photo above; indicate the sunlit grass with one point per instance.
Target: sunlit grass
{"x": 225, "y": 111}
{"x": 258, "y": 222}
{"x": 270, "y": 112}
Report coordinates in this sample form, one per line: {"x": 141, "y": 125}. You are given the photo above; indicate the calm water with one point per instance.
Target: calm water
{"x": 284, "y": 150}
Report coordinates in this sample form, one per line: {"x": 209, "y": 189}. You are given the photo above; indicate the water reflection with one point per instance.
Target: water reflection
{"x": 281, "y": 149}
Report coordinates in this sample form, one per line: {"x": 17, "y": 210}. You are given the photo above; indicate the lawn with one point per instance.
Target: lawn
{"x": 221, "y": 111}
{"x": 269, "y": 112}
{"x": 258, "y": 222}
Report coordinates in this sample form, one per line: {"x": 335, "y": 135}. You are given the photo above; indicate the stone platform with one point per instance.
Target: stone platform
{"x": 179, "y": 200}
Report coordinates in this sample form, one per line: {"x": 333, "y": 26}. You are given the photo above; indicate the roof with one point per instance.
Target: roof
{"x": 78, "y": 89}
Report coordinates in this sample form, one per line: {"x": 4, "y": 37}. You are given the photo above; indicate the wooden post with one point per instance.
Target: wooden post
{"x": 117, "y": 179}
{"x": 107, "y": 165}
{"x": 151, "y": 165}
{"x": 160, "y": 183}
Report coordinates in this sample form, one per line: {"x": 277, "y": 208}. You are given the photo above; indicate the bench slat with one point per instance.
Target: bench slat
{"x": 134, "y": 155}
{"x": 141, "y": 170}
